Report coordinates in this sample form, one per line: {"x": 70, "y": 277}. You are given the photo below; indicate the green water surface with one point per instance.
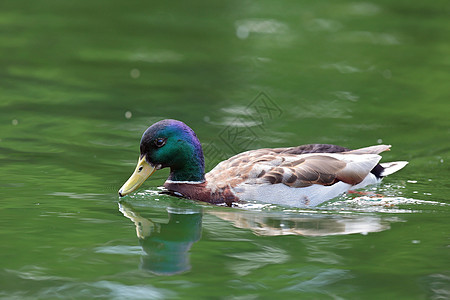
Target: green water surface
{"x": 81, "y": 80}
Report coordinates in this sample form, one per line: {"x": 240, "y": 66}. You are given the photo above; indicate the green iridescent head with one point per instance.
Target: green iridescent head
{"x": 168, "y": 144}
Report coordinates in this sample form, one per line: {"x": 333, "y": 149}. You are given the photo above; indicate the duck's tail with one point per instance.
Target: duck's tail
{"x": 392, "y": 167}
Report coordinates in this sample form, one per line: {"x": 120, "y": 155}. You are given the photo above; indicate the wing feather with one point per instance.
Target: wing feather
{"x": 286, "y": 166}
{"x": 317, "y": 169}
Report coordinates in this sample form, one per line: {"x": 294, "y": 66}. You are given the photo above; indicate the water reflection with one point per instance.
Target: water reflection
{"x": 304, "y": 224}
{"x": 166, "y": 245}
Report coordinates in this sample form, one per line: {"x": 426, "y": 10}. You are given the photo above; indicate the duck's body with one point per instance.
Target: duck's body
{"x": 298, "y": 176}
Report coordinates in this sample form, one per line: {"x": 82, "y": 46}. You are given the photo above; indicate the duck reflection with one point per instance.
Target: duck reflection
{"x": 166, "y": 245}
{"x": 304, "y": 224}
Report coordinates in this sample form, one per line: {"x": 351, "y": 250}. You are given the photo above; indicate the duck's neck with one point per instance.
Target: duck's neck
{"x": 192, "y": 168}
{"x": 193, "y": 174}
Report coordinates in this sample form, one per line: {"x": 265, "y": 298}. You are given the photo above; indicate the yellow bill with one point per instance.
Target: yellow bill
{"x": 143, "y": 171}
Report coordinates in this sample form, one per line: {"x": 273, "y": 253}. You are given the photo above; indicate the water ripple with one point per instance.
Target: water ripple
{"x": 35, "y": 273}
{"x": 383, "y": 204}
{"x": 122, "y": 250}
{"x": 266, "y": 26}
{"x": 368, "y": 37}
{"x": 249, "y": 261}
{"x": 316, "y": 280}
{"x": 107, "y": 290}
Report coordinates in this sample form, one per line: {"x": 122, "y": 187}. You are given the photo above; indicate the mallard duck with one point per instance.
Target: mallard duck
{"x": 299, "y": 176}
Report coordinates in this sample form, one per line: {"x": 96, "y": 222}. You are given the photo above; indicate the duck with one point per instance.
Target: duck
{"x": 300, "y": 176}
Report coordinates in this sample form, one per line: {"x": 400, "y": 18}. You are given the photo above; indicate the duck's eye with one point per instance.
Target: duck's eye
{"x": 159, "y": 142}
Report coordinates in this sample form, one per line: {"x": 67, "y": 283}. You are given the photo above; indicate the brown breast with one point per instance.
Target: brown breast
{"x": 199, "y": 191}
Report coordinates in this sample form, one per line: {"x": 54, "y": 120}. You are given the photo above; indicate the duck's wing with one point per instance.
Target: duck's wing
{"x": 338, "y": 164}
{"x": 377, "y": 149}
{"x": 269, "y": 166}
{"x": 328, "y": 148}
{"x": 323, "y": 169}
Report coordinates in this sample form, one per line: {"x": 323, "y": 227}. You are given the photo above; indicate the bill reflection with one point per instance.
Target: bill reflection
{"x": 166, "y": 245}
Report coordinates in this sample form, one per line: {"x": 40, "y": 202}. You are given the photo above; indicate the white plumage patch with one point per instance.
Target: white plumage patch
{"x": 298, "y": 197}
{"x": 312, "y": 195}
{"x": 288, "y": 196}
{"x": 392, "y": 167}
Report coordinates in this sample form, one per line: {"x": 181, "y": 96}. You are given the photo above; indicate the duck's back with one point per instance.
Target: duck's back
{"x": 294, "y": 174}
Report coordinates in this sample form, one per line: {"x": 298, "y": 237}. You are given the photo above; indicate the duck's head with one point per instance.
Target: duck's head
{"x": 168, "y": 143}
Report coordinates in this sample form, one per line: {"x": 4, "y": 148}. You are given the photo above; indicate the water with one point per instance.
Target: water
{"x": 81, "y": 81}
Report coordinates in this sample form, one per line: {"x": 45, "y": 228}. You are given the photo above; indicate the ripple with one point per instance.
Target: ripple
{"x": 382, "y": 204}
{"x": 438, "y": 285}
{"x": 364, "y": 9}
{"x": 162, "y": 56}
{"x": 323, "y": 109}
{"x": 77, "y": 196}
{"x": 266, "y": 26}
{"x": 239, "y": 122}
{"x": 122, "y": 250}
{"x": 238, "y": 110}
{"x": 343, "y": 68}
{"x": 323, "y": 25}
{"x": 107, "y": 290}
{"x": 368, "y": 37}
{"x": 250, "y": 261}
{"x": 307, "y": 280}
{"x": 35, "y": 273}
{"x": 344, "y": 95}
